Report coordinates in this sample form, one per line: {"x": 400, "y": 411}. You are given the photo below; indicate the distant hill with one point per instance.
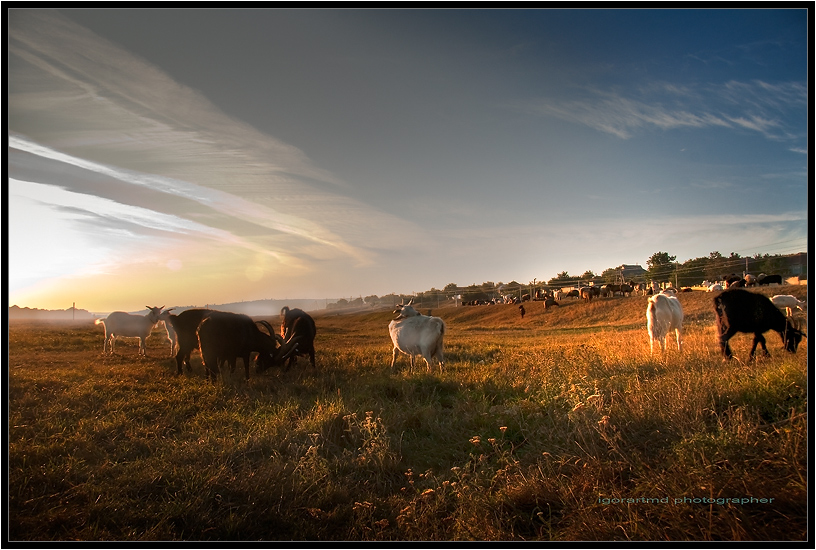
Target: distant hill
{"x": 70, "y": 314}
{"x": 256, "y": 308}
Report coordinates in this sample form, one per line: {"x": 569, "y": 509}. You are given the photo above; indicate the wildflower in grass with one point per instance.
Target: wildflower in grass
{"x": 476, "y": 440}
{"x": 503, "y": 429}
{"x": 578, "y": 407}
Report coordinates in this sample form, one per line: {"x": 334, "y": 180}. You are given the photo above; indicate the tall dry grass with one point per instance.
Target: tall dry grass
{"x": 560, "y": 426}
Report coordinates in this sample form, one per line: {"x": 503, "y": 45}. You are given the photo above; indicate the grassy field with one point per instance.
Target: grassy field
{"x": 560, "y": 426}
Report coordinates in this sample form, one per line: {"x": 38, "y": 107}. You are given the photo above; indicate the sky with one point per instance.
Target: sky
{"x": 205, "y": 156}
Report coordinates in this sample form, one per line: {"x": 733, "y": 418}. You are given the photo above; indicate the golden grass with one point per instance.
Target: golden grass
{"x": 560, "y": 426}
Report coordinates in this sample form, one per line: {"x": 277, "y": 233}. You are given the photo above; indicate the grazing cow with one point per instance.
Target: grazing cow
{"x": 664, "y": 314}
{"x": 739, "y": 310}
{"x": 572, "y": 294}
{"x": 587, "y": 294}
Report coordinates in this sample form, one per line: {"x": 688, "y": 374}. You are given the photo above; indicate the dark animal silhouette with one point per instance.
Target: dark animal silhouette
{"x": 739, "y": 310}
{"x": 298, "y": 323}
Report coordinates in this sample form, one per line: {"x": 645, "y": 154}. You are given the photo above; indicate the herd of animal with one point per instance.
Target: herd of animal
{"x": 220, "y": 336}
{"x": 223, "y": 337}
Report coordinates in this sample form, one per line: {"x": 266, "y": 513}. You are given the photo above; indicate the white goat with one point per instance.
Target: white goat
{"x": 664, "y": 314}
{"x": 120, "y": 323}
{"x": 669, "y": 291}
{"x": 716, "y": 287}
{"x": 415, "y": 334}
{"x": 171, "y": 333}
{"x": 788, "y": 303}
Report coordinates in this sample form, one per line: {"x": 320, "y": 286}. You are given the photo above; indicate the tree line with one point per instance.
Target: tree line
{"x": 662, "y": 267}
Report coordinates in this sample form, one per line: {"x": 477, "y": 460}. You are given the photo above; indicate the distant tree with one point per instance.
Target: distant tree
{"x": 661, "y": 266}
{"x": 692, "y": 272}
{"x": 474, "y": 292}
{"x": 371, "y": 300}
{"x": 773, "y": 265}
{"x": 451, "y": 287}
{"x": 588, "y": 276}
{"x": 716, "y": 268}
{"x": 610, "y": 275}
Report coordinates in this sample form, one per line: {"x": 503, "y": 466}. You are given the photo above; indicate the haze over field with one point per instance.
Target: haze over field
{"x": 186, "y": 157}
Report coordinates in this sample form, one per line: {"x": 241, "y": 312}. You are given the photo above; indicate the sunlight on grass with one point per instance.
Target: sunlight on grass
{"x": 555, "y": 431}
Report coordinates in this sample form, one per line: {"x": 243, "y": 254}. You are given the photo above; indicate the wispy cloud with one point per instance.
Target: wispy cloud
{"x": 79, "y": 101}
{"x": 756, "y": 106}
{"x": 113, "y": 114}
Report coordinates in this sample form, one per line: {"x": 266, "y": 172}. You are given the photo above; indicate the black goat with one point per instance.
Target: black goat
{"x": 224, "y": 337}
{"x": 739, "y": 310}
{"x": 768, "y": 279}
{"x": 185, "y": 324}
{"x": 299, "y": 324}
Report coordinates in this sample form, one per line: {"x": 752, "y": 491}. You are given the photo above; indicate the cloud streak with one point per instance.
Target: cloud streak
{"x": 756, "y": 106}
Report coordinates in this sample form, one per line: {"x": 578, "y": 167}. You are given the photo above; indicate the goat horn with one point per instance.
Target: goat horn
{"x": 290, "y": 346}
{"x": 268, "y": 327}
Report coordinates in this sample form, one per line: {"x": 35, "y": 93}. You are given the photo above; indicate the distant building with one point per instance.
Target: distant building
{"x": 630, "y": 272}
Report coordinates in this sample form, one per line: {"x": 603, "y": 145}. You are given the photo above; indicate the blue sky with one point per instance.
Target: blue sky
{"x": 186, "y": 157}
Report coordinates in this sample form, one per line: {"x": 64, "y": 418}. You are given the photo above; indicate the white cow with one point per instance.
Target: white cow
{"x": 664, "y": 314}
{"x": 415, "y": 334}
